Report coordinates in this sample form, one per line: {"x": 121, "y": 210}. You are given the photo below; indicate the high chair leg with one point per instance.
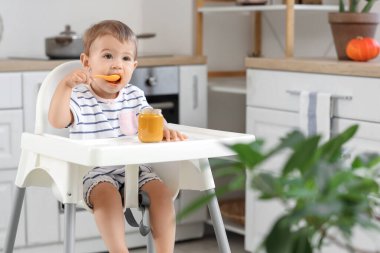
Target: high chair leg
{"x": 217, "y": 222}
{"x": 19, "y": 194}
{"x": 149, "y": 244}
{"x": 69, "y": 239}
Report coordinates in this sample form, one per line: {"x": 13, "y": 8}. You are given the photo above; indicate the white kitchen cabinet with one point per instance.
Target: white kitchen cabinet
{"x": 10, "y": 96}
{"x": 10, "y": 136}
{"x": 10, "y": 119}
{"x": 193, "y": 112}
{"x": 271, "y": 125}
{"x": 272, "y": 111}
{"x": 193, "y": 95}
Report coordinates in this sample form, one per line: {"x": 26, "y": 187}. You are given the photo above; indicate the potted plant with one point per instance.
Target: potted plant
{"x": 352, "y": 22}
{"x": 325, "y": 195}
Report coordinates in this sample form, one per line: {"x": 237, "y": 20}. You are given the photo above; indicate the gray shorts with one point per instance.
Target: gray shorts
{"x": 116, "y": 176}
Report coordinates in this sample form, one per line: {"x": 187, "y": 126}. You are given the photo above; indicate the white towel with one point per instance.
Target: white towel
{"x": 315, "y": 113}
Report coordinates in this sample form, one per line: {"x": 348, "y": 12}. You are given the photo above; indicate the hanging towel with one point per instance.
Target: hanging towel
{"x": 315, "y": 113}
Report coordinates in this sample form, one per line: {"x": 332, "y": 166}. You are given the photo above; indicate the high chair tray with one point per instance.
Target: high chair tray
{"x": 201, "y": 143}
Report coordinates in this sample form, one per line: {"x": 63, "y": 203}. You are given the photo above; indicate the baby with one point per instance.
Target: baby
{"x": 92, "y": 107}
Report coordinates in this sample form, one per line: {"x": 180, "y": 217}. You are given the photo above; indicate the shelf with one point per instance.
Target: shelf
{"x": 289, "y": 8}
{"x": 230, "y": 226}
{"x": 277, "y": 7}
{"x": 234, "y": 85}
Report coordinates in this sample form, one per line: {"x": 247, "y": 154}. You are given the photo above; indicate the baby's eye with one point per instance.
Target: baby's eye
{"x": 107, "y": 56}
{"x": 127, "y": 58}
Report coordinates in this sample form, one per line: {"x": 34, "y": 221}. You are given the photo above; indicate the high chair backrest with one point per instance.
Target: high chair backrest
{"x": 45, "y": 94}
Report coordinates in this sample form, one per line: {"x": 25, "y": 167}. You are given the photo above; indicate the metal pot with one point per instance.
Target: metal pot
{"x": 67, "y": 45}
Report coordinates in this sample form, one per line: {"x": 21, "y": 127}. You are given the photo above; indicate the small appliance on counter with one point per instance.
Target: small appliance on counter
{"x": 67, "y": 45}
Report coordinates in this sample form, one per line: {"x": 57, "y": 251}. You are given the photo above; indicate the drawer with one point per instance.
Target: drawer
{"x": 268, "y": 89}
{"x": 10, "y": 95}
{"x": 10, "y": 138}
{"x": 366, "y": 139}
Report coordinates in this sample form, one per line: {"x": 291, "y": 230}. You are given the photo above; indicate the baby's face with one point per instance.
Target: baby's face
{"x": 109, "y": 56}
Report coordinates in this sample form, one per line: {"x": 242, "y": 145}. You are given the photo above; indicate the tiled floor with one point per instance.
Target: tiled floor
{"x": 207, "y": 244}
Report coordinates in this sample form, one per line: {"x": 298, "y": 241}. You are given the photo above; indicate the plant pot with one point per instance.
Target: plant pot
{"x": 346, "y": 26}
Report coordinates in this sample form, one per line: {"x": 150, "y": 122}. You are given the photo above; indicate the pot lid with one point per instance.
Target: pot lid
{"x": 67, "y": 33}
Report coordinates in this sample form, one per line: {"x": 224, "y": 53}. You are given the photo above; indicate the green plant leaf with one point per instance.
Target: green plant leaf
{"x": 301, "y": 242}
{"x": 278, "y": 239}
{"x": 331, "y": 150}
{"x": 291, "y": 140}
{"x": 354, "y": 5}
{"x": 303, "y": 155}
{"x": 368, "y": 6}
{"x": 366, "y": 160}
{"x": 341, "y": 6}
{"x": 199, "y": 202}
{"x": 249, "y": 154}
{"x": 267, "y": 184}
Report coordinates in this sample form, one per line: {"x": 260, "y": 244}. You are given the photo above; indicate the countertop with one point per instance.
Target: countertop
{"x": 18, "y": 65}
{"x": 322, "y": 66}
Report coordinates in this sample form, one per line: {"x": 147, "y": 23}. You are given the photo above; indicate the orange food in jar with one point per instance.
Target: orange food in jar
{"x": 151, "y": 125}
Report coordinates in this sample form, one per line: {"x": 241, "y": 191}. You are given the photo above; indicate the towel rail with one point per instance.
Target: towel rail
{"x": 297, "y": 92}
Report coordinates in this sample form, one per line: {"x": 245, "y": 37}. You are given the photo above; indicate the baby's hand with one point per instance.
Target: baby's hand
{"x": 173, "y": 135}
{"x": 76, "y": 77}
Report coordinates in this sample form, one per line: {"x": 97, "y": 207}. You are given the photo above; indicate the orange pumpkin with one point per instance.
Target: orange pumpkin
{"x": 362, "y": 49}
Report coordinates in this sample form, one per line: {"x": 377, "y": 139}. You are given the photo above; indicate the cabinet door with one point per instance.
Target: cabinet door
{"x": 7, "y": 179}
{"x": 367, "y": 139}
{"x": 10, "y": 95}
{"x": 10, "y": 138}
{"x": 31, "y": 85}
{"x": 193, "y": 96}
{"x": 185, "y": 198}
{"x": 269, "y": 125}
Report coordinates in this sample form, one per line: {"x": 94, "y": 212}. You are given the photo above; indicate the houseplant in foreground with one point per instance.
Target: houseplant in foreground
{"x": 352, "y": 21}
{"x": 321, "y": 191}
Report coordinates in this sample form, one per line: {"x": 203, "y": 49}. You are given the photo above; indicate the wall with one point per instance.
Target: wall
{"x": 227, "y": 37}
{"x": 28, "y": 23}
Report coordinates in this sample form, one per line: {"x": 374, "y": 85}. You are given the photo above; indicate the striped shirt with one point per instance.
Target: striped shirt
{"x": 95, "y": 117}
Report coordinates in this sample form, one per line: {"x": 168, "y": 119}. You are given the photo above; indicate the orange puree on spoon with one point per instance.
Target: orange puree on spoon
{"x": 110, "y": 78}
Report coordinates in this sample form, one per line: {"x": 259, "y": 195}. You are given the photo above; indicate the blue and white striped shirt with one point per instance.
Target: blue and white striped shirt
{"x": 96, "y": 118}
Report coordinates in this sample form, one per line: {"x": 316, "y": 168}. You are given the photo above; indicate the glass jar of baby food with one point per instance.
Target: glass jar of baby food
{"x": 151, "y": 125}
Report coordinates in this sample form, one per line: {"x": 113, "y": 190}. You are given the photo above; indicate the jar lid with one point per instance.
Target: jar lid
{"x": 150, "y": 110}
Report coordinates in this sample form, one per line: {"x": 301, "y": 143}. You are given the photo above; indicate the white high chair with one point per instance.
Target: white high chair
{"x": 50, "y": 159}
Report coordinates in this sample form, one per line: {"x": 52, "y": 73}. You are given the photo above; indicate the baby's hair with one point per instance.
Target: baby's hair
{"x": 115, "y": 28}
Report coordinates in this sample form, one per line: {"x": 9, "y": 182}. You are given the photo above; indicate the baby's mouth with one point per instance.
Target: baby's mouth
{"x": 110, "y": 78}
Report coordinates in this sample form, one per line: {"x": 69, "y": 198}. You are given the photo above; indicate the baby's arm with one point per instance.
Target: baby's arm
{"x": 60, "y": 115}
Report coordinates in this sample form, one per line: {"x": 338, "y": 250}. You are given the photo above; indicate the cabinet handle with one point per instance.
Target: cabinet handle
{"x": 195, "y": 92}
{"x": 297, "y": 92}
{"x": 163, "y": 105}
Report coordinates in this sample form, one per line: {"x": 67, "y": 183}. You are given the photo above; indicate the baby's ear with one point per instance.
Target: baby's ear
{"x": 84, "y": 60}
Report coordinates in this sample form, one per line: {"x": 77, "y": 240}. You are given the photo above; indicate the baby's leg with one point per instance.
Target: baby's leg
{"x": 162, "y": 215}
{"x": 109, "y": 217}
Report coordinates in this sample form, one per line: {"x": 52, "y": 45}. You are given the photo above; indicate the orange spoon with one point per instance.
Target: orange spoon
{"x": 110, "y": 78}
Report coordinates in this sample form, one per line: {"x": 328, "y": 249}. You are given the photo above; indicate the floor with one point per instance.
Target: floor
{"x": 207, "y": 244}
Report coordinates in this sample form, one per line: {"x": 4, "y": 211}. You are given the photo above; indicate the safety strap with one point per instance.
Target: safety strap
{"x": 144, "y": 203}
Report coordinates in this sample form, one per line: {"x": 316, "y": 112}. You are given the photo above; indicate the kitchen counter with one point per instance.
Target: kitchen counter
{"x": 322, "y": 66}
{"x": 17, "y": 65}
